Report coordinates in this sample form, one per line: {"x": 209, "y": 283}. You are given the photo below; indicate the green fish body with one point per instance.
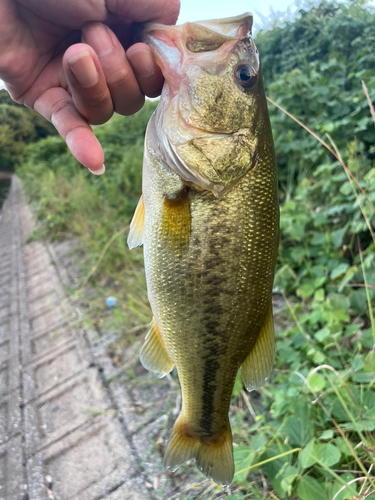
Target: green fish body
{"x": 209, "y": 223}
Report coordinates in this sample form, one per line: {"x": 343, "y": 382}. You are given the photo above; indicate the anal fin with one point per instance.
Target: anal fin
{"x": 135, "y": 238}
{"x": 258, "y": 365}
{"x": 154, "y": 356}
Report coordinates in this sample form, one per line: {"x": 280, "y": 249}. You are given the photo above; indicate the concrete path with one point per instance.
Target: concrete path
{"x": 59, "y": 436}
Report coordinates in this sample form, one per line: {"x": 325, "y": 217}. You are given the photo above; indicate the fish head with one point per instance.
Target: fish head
{"x": 213, "y": 105}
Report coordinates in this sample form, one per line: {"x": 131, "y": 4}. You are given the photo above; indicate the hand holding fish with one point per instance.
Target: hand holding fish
{"x": 105, "y": 73}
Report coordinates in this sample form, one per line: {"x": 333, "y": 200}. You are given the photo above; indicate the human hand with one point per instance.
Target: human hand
{"x": 73, "y": 84}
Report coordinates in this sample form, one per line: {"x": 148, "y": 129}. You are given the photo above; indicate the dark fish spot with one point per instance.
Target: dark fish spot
{"x": 216, "y": 280}
{"x": 213, "y": 309}
{"x": 209, "y": 385}
{"x": 212, "y": 325}
{"x": 218, "y": 96}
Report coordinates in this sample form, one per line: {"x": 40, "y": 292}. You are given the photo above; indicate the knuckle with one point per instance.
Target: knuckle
{"x": 120, "y": 77}
{"x": 58, "y": 107}
{"x": 100, "y": 100}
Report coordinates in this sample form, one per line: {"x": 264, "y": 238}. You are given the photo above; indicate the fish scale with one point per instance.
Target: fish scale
{"x": 209, "y": 245}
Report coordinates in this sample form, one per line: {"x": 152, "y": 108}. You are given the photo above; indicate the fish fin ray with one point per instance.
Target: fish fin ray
{"x": 154, "y": 356}
{"x": 257, "y": 367}
{"x": 135, "y": 238}
{"x": 215, "y": 460}
{"x": 176, "y": 221}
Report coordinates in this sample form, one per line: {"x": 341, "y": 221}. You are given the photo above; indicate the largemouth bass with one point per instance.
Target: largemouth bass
{"x": 209, "y": 222}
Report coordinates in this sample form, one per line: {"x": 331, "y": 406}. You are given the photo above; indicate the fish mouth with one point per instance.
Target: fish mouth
{"x": 173, "y": 46}
{"x": 231, "y": 27}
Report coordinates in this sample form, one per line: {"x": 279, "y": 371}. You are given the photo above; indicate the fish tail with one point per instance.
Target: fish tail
{"x": 214, "y": 457}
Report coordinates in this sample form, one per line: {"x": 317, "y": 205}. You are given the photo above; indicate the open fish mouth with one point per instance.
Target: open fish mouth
{"x": 174, "y": 47}
{"x": 231, "y": 27}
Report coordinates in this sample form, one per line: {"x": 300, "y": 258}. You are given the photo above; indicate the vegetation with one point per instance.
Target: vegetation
{"x": 309, "y": 433}
{"x": 19, "y": 126}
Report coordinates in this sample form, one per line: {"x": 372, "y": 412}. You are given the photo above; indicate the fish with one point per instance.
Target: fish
{"x": 208, "y": 219}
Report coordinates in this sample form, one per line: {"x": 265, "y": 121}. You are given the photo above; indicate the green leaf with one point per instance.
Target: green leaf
{"x": 258, "y": 442}
{"x": 351, "y": 329}
{"x": 343, "y": 447}
{"x": 368, "y": 404}
{"x": 273, "y": 467}
{"x": 326, "y": 435}
{"x": 310, "y": 489}
{"x": 318, "y": 238}
{"x": 357, "y": 362}
{"x": 237, "y": 388}
{"x": 319, "y": 358}
{"x": 322, "y": 334}
{"x": 305, "y": 291}
{"x": 362, "y": 425}
{"x": 349, "y": 492}
{"x": 317, "y": 382}
{"x": 243, "y": 458}
{"x": 306, "y": 456}
{"x": 318, "y": 282}
{"x": 369, "y": 364}
{"x": 339, "y": 270}
{"x": 363, "y": 377}
{"x": 319, "y": 295}
{"x": 367, "y": 338}
{"x": 339, "y": 301}
{"x": 299, "y": 427}
{"x": 328, "y": 454}
{"x": 345, "y": 494}
{"x": 289, "y": 474}
{"x": 337, "y": 236}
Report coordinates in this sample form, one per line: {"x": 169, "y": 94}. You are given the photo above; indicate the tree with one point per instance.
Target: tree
{"x": 19, "y": 126}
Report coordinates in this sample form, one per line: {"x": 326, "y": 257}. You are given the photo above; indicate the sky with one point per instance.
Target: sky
{"x": 199, "y": 10}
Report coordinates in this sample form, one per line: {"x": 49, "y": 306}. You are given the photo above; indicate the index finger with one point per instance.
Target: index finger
{"x": 161, "y": 11}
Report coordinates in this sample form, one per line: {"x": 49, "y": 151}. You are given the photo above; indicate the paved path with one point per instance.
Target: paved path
{"x": 59, "y": 436}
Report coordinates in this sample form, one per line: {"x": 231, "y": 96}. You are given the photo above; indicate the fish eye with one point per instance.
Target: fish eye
{"x": 245, "y": 75}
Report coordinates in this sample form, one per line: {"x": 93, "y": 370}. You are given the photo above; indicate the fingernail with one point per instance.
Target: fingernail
{"x": 98, "y": 172}
{"x": 101, "y": 41}
{"x": 84, "y": 69}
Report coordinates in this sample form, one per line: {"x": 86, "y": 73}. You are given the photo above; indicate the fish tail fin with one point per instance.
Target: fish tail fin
{"x": 214, "y": 459}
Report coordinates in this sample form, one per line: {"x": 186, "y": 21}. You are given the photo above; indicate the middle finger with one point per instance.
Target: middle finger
{"x": 126, "y": 94}
{"x": 87, "y": 83}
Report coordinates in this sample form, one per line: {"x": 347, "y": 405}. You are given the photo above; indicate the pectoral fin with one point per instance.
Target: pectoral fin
{"x": 154, "y": 356}
{"x": 176, "y": 221}
{"x": 135, "y": 237}
{"x": 258, "y": 365}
